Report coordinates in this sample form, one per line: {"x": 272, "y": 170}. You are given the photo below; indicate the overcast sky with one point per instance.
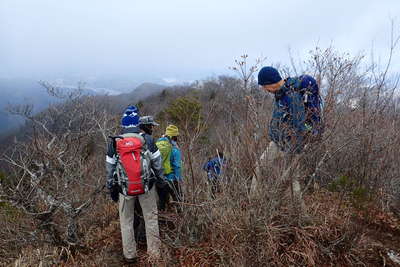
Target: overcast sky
{"x": 179, "y": 39}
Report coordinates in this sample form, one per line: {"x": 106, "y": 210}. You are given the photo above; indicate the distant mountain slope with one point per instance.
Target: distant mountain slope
{"x": 144, "y": 90}
{"x": 20, "y": 92}
{"x": 139, "y": 93}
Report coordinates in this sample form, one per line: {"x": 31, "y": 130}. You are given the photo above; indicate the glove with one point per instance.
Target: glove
{"x": 114, "y": 193}
{"x": 161, "y": 183}
{"x": 151, "y": 183}
{"x": 110, "y": 183}
{"x": 308, "y": 127}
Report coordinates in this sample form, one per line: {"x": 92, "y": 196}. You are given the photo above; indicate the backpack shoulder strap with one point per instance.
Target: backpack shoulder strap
{"x": 145, "y": 145}
{"x": 135, "y": 135}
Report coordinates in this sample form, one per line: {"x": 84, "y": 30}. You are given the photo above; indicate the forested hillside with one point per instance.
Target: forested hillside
{"x": 55, "y": 210}
{"x": 27, "y": 92}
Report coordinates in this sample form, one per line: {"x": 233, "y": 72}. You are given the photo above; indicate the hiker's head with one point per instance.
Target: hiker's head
{"x": 172, "y": 132}
{"x": 146, "y": 123}
{"x": 130, "y": 118}
{"x": 220, "y": 154}
{"x": 269, "y": 79}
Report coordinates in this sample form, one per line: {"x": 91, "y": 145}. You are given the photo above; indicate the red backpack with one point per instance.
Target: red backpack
{"x": 133, "y": 168}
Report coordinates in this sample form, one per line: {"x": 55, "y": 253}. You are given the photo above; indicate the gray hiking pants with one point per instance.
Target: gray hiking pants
{"x": 126, "y": 216}
{"x": 267, "y": 157}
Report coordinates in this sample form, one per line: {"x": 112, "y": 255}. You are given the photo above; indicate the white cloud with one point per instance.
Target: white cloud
{"x": 170, "y": 80}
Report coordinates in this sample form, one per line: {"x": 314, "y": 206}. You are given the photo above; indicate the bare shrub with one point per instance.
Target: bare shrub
{"x": 55, "y": 173}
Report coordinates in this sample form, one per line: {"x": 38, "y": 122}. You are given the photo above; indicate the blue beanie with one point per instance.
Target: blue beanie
{"x": 268, "y": 75}
{"x": 130, "y": 117}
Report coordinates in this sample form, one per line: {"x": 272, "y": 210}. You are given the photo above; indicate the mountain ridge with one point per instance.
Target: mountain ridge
{"x": 21, "y": 92}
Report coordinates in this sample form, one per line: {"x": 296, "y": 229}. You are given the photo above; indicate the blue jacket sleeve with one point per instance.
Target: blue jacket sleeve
{"x": 176, "y": 163}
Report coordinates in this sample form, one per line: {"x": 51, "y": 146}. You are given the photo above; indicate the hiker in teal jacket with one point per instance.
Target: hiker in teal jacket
{"x": 175, "y": 161}
{"x": 172, "y": 164}
{"x": 175, "y": 175}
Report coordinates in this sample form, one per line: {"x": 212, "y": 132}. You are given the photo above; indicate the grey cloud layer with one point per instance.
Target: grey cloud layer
{"x": 178, "y": 38}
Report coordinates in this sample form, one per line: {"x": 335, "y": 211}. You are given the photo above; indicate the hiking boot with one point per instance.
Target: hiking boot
{"x": 131, "y": 260}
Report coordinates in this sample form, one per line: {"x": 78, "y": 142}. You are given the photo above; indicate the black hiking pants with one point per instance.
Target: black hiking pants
{"x": 173, "y": 189}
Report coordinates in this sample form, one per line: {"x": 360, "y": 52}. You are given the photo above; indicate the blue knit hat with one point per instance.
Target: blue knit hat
{"x": 268, "y": 75}
{"x": 130, "y": 117}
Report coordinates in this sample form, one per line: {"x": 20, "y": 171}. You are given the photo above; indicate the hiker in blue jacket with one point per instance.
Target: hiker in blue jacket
{"x": 296, "y": 115}
{"x": 214, "y": 168}
{"x": 296, "y": 110}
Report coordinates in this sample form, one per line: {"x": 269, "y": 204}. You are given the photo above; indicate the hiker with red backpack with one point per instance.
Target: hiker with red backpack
{"x": 133, "y": 164}
{"x": 296, "y": 116}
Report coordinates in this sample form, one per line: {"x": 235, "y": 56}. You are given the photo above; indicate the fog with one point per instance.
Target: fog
{"x": 179, "y": 40}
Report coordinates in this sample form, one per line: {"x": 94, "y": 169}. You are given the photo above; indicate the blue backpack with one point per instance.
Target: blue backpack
{"x": 309, "y": 89}
{"x": 213, "y": 167}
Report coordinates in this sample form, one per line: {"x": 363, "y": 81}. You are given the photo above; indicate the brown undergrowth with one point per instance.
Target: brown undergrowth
{"x": 335, "y": 233}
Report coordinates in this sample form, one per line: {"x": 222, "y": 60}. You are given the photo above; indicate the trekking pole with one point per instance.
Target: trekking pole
{"x": 113, "y": 138}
